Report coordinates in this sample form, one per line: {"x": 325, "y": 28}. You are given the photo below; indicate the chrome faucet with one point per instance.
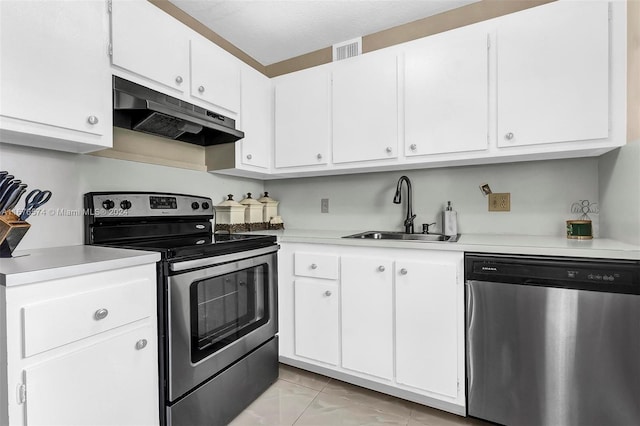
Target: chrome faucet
{"x": 408, "y": 222}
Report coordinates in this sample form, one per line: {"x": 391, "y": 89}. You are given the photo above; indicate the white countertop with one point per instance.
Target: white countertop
{"x": 36, "y": 265}
{"x": 507, "y": 244}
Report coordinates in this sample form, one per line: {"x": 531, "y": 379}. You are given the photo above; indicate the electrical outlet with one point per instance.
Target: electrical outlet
{"x": 324, "y": 205}
{"x": 500, "y": 202}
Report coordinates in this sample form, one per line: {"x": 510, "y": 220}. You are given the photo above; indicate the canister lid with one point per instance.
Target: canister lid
{"x": 267, "y": 200}
{"x": 230, "y": 202}
{"x": 249, "y": 201}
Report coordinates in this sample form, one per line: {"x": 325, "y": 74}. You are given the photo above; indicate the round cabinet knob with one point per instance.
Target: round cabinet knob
{"x": 205, "y": 205}
{"x": 249, "y": 156}
{"x": 100, "y": 314}
{"x": 403, "y": 271}
{"x": 93, "y": 119}
{"x": 314, "y": 266}
{"x": 413, "y": 147}
{"x": 179, "y": 79}
{"x": 319, "y": 156}
{"x": 141, "y": 344}
{"x": 201, "y": 89}
{"x": 381, "y": 268}
{"x": 327, "y": 293}
{"x": 195, "y": 205}
{"x": 125, "y": 204}
{"x": 508, "y": 136}
{"x": 389, "y": 150}
{"x": 108, "y": 204}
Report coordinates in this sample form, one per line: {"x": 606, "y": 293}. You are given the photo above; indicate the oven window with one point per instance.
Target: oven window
{"x": 227, "y": 307}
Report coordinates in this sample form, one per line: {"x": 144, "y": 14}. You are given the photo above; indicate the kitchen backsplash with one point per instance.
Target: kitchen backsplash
{"x": 69, "y": 176}
{"x": 541, "y": 196}
{"x": 541, "y": 193}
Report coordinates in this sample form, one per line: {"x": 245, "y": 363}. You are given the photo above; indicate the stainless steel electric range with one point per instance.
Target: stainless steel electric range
{"x": 217, "y": 301}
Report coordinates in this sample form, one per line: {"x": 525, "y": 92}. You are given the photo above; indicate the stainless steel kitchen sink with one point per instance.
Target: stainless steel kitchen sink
{"x": 401, "y": 236}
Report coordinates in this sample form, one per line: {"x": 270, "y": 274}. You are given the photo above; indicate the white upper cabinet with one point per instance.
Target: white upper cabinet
{"x": 365, "y": 108}
{"x": 256, "y": 119}
{"x": 55, "y": 76}
{"x": 446, "y": 93}
{"x": 302, "y": 125}
{"x": 215, "y": 75}
{"x": 553, "y": 74}
{"x": 150, "y": 44}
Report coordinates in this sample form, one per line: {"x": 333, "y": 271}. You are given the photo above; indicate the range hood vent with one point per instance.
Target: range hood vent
{"x": 141, "y": 109}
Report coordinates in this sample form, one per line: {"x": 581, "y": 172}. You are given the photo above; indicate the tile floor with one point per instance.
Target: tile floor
{"x": 303, "y": 398}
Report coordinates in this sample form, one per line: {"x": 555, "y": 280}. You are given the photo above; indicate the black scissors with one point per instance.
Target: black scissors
{"x": 34, "y": 200}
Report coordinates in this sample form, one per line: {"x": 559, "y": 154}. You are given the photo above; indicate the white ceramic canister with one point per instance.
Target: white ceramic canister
{"x": 270, "y": 207}
{"x": 254, "y": 212}
{"x": 229, "y": 212}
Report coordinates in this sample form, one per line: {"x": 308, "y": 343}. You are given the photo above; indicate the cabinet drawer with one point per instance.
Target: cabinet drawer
{"x": 316, "y": 265}
{"x": 56, "y": 322}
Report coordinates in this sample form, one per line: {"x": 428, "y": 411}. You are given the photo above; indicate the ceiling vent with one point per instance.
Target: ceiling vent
{"x": 347, "y": 49}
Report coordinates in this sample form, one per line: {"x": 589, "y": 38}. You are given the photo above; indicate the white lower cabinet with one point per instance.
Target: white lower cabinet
{"x": 367, "y": 315}
{"x": 316, "y": 319}
{"x": 426, "y": 323}
{"x": 397, "y": 326}
{"x": 104, "y": 384}
{"x": 82, "y": 350}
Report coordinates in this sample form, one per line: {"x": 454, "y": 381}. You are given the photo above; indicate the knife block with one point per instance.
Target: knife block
{"x": 12, "y": 229}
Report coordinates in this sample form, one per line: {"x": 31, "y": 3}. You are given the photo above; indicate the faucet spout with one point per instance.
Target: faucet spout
{"x": 397, "y": 199}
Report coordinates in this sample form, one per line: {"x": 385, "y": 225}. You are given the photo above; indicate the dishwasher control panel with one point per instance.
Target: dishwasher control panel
{"x": 589, "y": 274}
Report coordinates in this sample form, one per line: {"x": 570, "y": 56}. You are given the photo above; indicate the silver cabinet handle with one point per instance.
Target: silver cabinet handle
{"x": 141, "y": 344}
{"x": 403, "y": 271}
{"x": 327, "y": 293}
{"x": 508, "y": 136}
{"x": 389, "y": 150}
{"x": 249, "y": 156}
{"x": 381, "y": 268}
{"x": 319, "y": 156}
{"x": 179, "y": 79}
{"x": 314, "y": 266}
{"x": 413, "y": 147}
{"x": 92, "y": 119}
{"x": 100, "y": 314}
{"x": 201, "y": 89}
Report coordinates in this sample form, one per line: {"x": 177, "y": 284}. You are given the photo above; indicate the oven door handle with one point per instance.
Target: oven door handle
{"x": 225, "y": 258}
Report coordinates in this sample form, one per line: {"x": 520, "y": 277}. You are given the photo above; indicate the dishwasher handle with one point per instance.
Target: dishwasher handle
{"x": 469, "y": 319}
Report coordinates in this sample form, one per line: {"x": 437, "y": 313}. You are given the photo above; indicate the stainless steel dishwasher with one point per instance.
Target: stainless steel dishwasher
{"x": 553, "y": 341}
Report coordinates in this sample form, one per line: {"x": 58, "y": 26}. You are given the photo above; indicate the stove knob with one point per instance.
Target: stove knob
{"x": 125, "y": 204}
{"x": 108, "y": 204}
{"x": 205, "y": 205}
{"x": 195, "y": 205}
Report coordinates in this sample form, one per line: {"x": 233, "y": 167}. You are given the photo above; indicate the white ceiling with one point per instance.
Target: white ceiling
{"x": 274, "y": 30}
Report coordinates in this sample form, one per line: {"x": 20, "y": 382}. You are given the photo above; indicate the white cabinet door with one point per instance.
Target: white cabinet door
{"x": 215, "y": 75}
{"x": 447, "y": 93}
{"x": 365, "y": 108}
{"x": 553, "y": 74}
{"x": 110, "y": 383}
{"x": 302, "y": 118}
{"x": 55, "y": 78}
{"x": 367, "y": 315}
{"x": 150, "y": 43}
{"x": 316, "y": 320}
{"x": 426, "y": 326}
{"x": 255, "y": 119}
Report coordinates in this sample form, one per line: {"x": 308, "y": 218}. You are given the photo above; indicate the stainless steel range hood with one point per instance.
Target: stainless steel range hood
{"x": 139, "y": 108}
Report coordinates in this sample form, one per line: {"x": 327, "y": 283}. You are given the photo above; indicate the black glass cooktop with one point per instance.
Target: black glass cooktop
{"x": 183, "y": 248}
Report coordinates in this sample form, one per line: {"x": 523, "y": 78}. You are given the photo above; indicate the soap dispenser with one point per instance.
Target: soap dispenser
{"x": 449, "y": 221}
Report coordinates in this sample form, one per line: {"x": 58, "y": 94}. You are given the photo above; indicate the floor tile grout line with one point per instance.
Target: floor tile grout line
{"x": 305, "y": 409}
{"x": 300, "y": 384}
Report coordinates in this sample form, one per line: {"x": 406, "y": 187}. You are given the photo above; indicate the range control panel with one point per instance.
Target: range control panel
{"x": 121, "y": 204}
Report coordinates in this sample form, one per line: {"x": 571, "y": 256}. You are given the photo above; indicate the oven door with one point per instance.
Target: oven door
{"x": 218, "y": 313}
